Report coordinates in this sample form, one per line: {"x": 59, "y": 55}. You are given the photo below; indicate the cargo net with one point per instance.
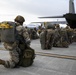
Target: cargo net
{"x": 5, "y": 25}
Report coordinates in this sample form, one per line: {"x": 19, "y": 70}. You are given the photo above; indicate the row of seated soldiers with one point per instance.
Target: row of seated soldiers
{"x": 57, "y": 37}
{"x": 34, "y": 32}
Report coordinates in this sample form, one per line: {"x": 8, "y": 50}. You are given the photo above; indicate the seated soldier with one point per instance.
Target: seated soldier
{"x": 16, "y": 48}
{"x": 47, "y": 37}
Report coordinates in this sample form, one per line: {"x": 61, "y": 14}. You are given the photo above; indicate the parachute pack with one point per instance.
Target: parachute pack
{"x": 8, "y": 31}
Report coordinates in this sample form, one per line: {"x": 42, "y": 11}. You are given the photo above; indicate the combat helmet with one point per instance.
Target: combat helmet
{"x": 19, "y": 19}
{"x": 50, "y": 26}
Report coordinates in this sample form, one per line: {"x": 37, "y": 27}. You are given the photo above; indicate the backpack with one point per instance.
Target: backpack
{"x": 27, "y": 57}
{"x": 8, "y": 31}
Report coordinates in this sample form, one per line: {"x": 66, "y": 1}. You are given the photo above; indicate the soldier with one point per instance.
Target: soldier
{"x": 33, "y": 34}
{"x": 50, "y": 38}
{"x": 16, "y": 48}
{"x": 57, "y": 41}
{"x": 43, "y": 39}
{"x": 74, "y": 35}
{"x": 47, "y": 37}
{"x": 61, "y": 39}
{"x": 39, "y": 29}
{"x": 69, "y": 33}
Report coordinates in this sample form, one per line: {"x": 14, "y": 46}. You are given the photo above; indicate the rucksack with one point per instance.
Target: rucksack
{"x": 27, "y": 57}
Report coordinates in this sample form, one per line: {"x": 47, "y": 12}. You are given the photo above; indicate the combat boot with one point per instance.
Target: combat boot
{"x": 2, "y": 62}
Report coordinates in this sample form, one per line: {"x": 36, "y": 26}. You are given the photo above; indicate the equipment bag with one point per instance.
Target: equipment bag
{"x": 8, "y": 31}
{"x": 28, "y": 57}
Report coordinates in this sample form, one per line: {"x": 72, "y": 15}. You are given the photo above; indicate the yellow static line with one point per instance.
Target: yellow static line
{"x": 56, "y": 55}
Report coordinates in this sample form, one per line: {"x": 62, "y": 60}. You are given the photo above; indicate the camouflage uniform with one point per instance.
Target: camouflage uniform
{"x": 61, "y": 39}
{"x": 70, "y": 34}
{"x": 47, "y": 38}
{"x": 33, "y": 34}
{"x": 74, "y": 35}
{"x": 57, "y": 41}
{"x": 64, "y": 38}
{"x": 23, "y": 31}
{"x": 14, "y": 48}
{"x": 50, "y": 38}
{"x": 15, "y": 52}
{"x": 43, "y": 39}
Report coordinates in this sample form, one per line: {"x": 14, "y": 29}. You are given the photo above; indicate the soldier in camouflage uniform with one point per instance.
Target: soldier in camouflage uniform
{"x": 61, "y": 39}
{"x": 57, "y": 41}
{"x": 64, "y": 38}
{"x": 43, "y": 39}
{"x": 47, "y": 37}
{"x": 69, "y": 33}
{"x": 50, "y": 38}
{"x": 15, "y": 47}
{"x": 73, "y": 35}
